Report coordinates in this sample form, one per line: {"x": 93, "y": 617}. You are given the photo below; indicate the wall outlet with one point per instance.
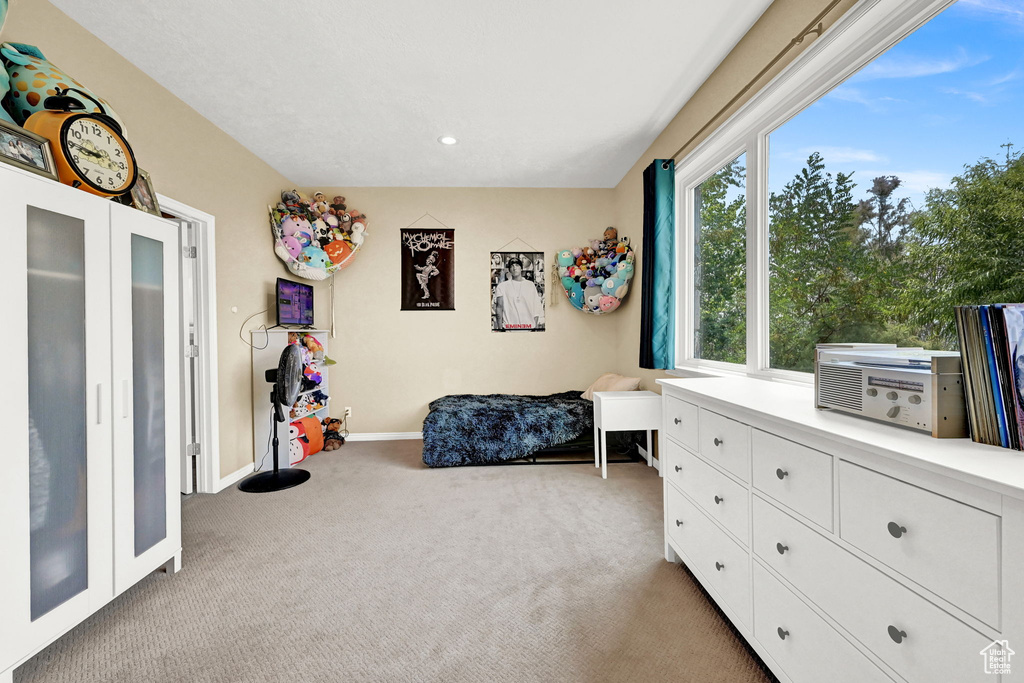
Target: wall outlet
{"x": 348, "y": 411}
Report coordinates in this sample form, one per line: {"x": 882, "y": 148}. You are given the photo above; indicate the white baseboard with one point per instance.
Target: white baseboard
{"x": 384, "y": 436}
{"x": 235, "y": 477}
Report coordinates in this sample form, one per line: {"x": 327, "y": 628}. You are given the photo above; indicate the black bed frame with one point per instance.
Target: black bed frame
{"x": 579, "y": 447}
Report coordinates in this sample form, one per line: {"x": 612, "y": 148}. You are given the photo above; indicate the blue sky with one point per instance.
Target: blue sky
{"x": 948, "y": 94}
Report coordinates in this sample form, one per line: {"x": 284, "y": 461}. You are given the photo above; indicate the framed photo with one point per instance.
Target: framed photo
{"x": 517, "y": 291}
{"x": 143, "y": 195}
{"x": 26, "y": 150}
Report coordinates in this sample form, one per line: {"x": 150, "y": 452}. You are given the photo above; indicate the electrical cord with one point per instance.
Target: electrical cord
{"x": 261, "y": 327}
{"x": 270, "y": 437}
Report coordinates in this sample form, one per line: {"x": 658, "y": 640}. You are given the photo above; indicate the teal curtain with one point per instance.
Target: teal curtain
{"x": 658, "y": 305}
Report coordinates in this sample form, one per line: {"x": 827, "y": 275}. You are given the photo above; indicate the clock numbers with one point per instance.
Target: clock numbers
{"x": 97, "y": 154}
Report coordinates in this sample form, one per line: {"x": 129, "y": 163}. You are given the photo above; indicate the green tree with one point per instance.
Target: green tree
{"x": 720, "y": 262}
{"x": 819, "y": 288}
{"x": 966, "y": 247}
{"x": 883, "y": 218}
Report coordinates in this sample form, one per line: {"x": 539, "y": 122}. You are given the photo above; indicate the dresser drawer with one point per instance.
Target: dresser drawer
{"x": 680, "y": 421}
{"x": 948, "y": 547}
{"x": 872, "y": 607}
{"x": 726, "y": 443}
{"x": 720, "y": 564}
{"x": 721, "y": 497}
{"x": 796, "y": 476}
{"x": 801, "y": 642}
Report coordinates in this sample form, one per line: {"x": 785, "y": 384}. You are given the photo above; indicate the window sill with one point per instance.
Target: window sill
{"x": 701, "y": 371}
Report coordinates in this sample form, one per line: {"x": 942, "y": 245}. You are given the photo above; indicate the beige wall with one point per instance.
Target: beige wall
{"x": 780, "y": 23}
{"x": 391, "y": 363}
{"x": 192, "y": 161}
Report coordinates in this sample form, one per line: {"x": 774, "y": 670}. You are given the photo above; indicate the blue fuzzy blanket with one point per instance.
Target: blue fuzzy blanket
{"x": 468, "y": 429}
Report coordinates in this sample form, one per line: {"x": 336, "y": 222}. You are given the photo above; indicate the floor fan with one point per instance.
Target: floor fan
{"x": 287, "y": 379}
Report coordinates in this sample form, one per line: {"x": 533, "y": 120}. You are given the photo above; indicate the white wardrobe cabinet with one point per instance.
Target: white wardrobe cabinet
{"x": 88, "y": 499}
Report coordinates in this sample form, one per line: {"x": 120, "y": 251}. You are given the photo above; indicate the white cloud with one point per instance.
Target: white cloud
{"x": 969, "y": 94}
{"x": 845, "y": 93}
{"x": 909, "y": 66}
{"x": 999, "y": 80}
{"x": 1004, "y": 8}
{"x": 842, "y": 155}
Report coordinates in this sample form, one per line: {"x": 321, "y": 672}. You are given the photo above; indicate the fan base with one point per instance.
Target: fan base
{"x": 266, "y": 482}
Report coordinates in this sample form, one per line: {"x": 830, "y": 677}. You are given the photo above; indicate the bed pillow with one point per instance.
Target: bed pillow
{"x": 610, "y": 381}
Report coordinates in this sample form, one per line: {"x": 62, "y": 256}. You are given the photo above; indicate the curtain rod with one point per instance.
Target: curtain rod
{"x": 814, "y": 27}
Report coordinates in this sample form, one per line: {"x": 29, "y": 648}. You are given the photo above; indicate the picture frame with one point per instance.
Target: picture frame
{"x": 27, "y": 151}
{"x": 143, "y": 195}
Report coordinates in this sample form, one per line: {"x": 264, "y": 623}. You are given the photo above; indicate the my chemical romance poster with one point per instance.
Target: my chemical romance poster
{"x": 428, "y": 269}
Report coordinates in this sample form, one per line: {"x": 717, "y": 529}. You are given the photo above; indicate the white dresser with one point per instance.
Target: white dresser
{"x": 843, "y": 549}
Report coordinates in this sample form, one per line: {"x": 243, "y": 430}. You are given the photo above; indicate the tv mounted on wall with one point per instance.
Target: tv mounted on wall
{"x": 294, "y": 303}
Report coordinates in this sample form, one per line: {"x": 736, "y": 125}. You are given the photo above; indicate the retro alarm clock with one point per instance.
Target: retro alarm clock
{"x": 89, "y": 149}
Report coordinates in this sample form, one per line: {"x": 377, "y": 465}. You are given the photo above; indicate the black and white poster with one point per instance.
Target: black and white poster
{"x": 517, "y": 291}
{"x": 428, "y": 269}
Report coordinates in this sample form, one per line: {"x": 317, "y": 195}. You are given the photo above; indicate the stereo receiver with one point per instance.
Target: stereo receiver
{"x": 909, "y": 387}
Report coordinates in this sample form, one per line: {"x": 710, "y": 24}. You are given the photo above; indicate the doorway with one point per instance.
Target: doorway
{"x": 200, "y": 459}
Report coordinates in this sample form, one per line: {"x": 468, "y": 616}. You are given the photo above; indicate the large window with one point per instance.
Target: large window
{"x": 897, "y": 194}
{"x": 720, "y": 265}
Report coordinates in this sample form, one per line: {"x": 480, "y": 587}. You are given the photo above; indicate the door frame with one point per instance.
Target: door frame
{"x": 208, "y": 479}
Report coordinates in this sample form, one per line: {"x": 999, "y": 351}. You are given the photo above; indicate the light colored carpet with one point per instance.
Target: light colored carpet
{"x": 379, "y": 569}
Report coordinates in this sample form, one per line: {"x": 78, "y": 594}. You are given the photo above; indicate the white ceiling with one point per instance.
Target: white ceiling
{"x": 553, "y": 93}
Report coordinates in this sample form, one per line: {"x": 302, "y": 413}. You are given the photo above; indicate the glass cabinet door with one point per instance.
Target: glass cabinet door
{"x": 147, "y": 457}
{"x": 55, "y": 495}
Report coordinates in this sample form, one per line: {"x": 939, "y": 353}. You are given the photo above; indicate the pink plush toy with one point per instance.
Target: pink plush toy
{"x": 609, "y": 303}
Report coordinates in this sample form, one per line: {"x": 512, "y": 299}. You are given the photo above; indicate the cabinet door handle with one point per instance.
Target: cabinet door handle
{"x": 718, "y": 500}
{"x": 677, "y": 420}
{"x": 781, "y": 548}
{"x": 99, "y": 404}
{"x": 719, "y": 566}
{"x": 897, "y": 635}
{"x": 782, "y": 634}
{"x": 678, "y": 468}
{"x": 781, "y": 473}
{"x": 679, "y": 522}
{"x": 718, "y": 442}
{"x": 896, "y": 530}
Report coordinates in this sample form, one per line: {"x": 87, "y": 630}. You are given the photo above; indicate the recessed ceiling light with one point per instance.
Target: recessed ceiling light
{"x": 447, "y": 140}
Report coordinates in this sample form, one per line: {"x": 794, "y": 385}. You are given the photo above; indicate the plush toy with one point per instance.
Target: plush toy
{"x": 565, "y": 258}
{"x": 338, "y": 251}
{"x": 357, "y": 236}
{"x": 313, "y": 344}
{"x": 338, "y": 204}
{"x": 315, "y": 257}
{"x": 592, "y": 296}
{"x": 319, "y": 204}
{"x": 609, "y": 303}
{"x": 333, "y": 439}
{"x": 576, "y": 295}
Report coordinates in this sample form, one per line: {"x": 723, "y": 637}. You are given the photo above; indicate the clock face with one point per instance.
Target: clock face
{"x": 98, "y": 154}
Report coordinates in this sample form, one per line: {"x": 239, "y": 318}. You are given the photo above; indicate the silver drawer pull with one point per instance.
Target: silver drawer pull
{"x": 719, "y": 566}
{"x": 678, "y": 468}
{"x": 896, "y": 530}
{"x": 782, "y": 634}
{"x": 781, "y": 548}
{"x": 897, "y": 635}
{"x": 677, "y": 420}
{"x": 679, "y": 522}
{"x": 718, "y": 500}
{"x": 781, "y": 473}
{"x": 718, "y": 442}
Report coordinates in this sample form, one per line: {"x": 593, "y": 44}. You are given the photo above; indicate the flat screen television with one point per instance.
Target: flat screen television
{"x": 294, "y": 303}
